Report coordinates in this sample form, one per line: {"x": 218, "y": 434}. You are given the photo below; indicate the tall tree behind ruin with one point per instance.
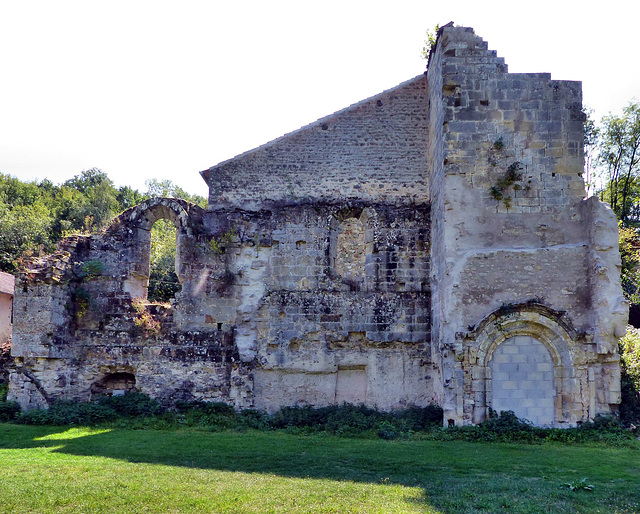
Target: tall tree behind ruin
{"x": 619, "y": 159}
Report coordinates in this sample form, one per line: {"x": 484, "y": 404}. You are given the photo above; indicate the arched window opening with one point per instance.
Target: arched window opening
{"x": 163, "y": 279}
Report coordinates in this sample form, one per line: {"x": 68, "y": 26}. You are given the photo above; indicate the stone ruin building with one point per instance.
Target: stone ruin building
{"x": 429, "y": 244}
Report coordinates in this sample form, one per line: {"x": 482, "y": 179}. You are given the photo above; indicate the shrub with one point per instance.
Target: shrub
{"x": 4, "y": 390}
{"x": 66, "y": 412}
{"x": 386, "y": 430}
{"x": 351, "y": 419}
{"x": 253, "y": 419}
{"x": 212, "y": 415}
{"x": 507, "y": 427}
{"x": 603, "y": 423}
{"x": 421, "y": 418}
{"x": 629, "y": 347}
{"x": 132, "y": 404}
{"x": 91, "y": 269}
{"x": 8, "y": 410}
{"x": 356, "y": 419}
{"x": 107, "y": 408}
{"x": 219, "y": 408}
{"x": 289, "y": 417}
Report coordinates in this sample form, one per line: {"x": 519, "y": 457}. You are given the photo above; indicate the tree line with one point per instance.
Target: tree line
{"x": 34, "y": 216}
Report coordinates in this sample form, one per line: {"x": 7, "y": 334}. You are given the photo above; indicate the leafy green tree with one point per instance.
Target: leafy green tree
{"x": 619, "y": 160}
{"x": 15, "y": 192}
{"x": 96, "y": 205}
{"x": 630, "y": 256}
{"x": 167, "y": 189}
{"x": 88, "y": 179}
{"x": 128, "y": 197}
{"x": 23, "y": 229}
{"x": 630, "y": 360}
{"x": 591, "y": 140}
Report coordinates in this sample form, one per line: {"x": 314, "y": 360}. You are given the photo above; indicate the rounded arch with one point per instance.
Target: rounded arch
{"x": 525, "y": 329}
{"x": 114, "y": 384}
{"x": 535, "y": 320}
{"x": 134, "y": 227}
{"x": 184, "y": 215}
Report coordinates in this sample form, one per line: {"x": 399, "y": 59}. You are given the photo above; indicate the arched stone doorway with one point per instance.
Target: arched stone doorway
{"x": 522, "y": 379}
{"x": 525, "y": 358}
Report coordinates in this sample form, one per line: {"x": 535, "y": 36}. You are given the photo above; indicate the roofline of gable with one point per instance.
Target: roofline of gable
{"x": 205, "y": 173}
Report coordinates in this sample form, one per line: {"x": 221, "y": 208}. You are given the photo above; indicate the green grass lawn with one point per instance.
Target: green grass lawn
{"x": 55, "y": 469}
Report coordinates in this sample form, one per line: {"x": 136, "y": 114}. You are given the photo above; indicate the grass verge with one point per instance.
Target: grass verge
{"x": 54, "y": 469}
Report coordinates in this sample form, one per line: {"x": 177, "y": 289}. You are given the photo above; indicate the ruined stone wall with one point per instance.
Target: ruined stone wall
{"x": 355, "y": 306}
{"x": 81, "y": 318}
{"x": 326, "y": 291}
{"x": 296, "y": 306}
{"x": 509, "y": 223}
{"x": 430, "y": 244}
{"x": 371, "y": 151}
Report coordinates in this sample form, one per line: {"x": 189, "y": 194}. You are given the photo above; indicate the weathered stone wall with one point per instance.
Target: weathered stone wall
{"x": 295, "y": 298}
{"x": 430, "y": 244}
{"x": 82, "y": 318}
{"x": 314, "y": 299}
{"x": 371, "y": 151}
{"x": 509, "y": 222}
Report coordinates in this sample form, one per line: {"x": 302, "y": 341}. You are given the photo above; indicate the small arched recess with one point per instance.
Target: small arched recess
{"x": 522, "y": 358}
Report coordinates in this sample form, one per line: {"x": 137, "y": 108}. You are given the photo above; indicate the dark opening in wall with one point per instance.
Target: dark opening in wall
{"x": 634, "y": 316}
{"x": 163, "y": 280}
{"x": 114, "y": 384}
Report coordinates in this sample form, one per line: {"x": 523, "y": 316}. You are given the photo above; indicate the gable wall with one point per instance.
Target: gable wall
{"x": 372, "y": 151}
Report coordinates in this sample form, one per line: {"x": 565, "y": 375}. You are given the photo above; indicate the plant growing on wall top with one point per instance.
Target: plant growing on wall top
{"x": 144, "y": 319}
{"x": 430, "y": 41}
{"x": 91, "y": 269}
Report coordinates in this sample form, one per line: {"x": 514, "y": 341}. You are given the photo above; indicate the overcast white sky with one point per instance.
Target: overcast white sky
{"x": 153, "y": 89}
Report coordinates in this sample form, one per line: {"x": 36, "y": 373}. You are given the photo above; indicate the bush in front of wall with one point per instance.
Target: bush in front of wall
{"x": 67, "y": 412}
{"x": 8, "y": 411}
{"x": 132, "y": 403}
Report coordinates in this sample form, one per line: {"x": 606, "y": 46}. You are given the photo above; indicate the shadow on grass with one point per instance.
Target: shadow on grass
{"x": 455, "y": 476}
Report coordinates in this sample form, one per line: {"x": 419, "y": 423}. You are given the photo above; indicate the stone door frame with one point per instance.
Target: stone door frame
{"x": 537, "y": 321}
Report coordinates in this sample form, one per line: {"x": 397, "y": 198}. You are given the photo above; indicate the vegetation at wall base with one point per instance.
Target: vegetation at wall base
{"x": 137, "y": 411}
